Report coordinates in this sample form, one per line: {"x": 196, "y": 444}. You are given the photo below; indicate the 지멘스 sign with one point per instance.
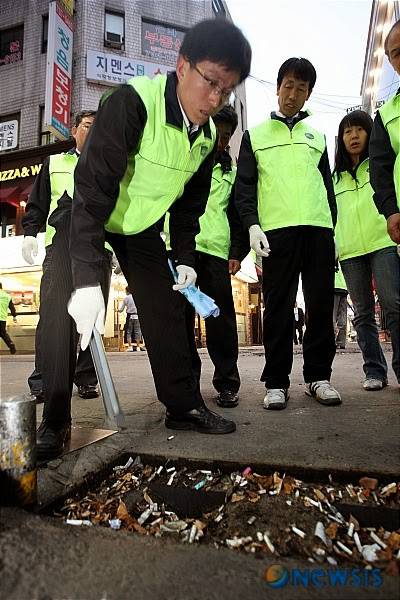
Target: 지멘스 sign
{"x": 113, "y": 69}
{"x": 59, "y": 71}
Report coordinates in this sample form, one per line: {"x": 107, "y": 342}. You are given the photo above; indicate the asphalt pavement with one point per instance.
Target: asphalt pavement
{"x": 42, "y": 558}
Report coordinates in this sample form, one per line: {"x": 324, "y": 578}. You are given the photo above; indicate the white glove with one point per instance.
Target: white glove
{"x": 86, "y": 307}
{"x": 29, "y": 249}
{"x": 186, "y": 276}
{"x": 258, "y": 241}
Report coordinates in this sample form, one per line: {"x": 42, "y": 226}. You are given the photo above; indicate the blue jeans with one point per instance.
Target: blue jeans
{"x": 384, "y": 267}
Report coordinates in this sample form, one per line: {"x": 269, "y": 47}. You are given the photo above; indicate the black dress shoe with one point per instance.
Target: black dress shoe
{"x": 199, "y": 419}
{"x": 87, "y": 391}
{"x": 227, "y": 399}
{"x": 51, "y": 440}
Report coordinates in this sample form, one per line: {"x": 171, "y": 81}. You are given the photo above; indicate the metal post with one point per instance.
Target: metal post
{"x": 18, "y": 476}
{"x": 114, "y": 414}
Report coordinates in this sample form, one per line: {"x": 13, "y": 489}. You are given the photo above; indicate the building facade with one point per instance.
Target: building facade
{"x": 113, "y": 40}
{"x": 379, "y": 80}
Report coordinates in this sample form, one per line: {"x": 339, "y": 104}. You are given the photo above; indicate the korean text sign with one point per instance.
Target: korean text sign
{"x": 59, "y": 71}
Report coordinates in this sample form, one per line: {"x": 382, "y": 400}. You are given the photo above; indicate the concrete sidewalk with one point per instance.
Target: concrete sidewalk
{"x": 359, "y": 437}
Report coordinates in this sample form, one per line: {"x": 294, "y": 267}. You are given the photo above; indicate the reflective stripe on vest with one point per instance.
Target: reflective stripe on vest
{"x": 290, "y": 187}
{"x": 61, "y": 171}
{"x": 159, "y": 169}
{"x": 4, "y": 302}
{"x": 360, "y": 229}
{"x": 215, "y": 235}
{"x": 390, "y": 115}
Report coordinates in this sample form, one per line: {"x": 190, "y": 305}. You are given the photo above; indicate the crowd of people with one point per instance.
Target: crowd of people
{"x": 151, "y": 179}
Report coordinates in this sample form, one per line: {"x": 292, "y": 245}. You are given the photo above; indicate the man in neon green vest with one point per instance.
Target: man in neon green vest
{"x": 221, "y": 245}
{"x": 149, "y": 152}
{"x": 384, "y": 147}
{"x": 56, "y": 339}
{"x": 284, "y": 195}
{"x": 6, "y": 304}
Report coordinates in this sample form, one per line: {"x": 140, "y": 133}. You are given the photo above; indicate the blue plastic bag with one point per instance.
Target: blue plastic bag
{"x": 202, "y": 303}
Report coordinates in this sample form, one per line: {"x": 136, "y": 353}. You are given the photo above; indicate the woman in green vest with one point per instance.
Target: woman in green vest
{"x": 367, "y": 255}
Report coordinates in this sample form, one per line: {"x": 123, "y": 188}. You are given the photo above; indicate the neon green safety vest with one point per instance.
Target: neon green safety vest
{"x": 4, "y": 302}
{"x": 159, "y": 168}
{"x": 360, "y": 229}
{"x": 290, "y": 189}
{"x": 215, "y": 234}
{"x": 390, "y": 115}
{"x": 61, "y": 171}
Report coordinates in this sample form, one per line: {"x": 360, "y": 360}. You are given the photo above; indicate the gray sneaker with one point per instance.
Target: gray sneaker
{"x": 276, "y": 399}
{"x": 374, "y": 385}
{"x": 324, "y": 392}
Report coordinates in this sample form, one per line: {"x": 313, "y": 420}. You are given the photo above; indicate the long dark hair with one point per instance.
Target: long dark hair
{"x": 342, "y": 159}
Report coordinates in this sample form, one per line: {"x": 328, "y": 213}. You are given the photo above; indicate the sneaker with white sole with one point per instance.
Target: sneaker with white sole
{"x": 324, "y": 392}
{"x": 276, "y": 399}
{"x": 371, "y": 384}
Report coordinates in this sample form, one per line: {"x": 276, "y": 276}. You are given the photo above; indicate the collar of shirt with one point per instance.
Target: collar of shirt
{"x": 191, "y": 127}
{"x": 282, "y": 116}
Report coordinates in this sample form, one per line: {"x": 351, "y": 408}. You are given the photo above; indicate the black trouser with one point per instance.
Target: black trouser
{"x": 4, "y": 335}
{"x": 221, "y": 332}
{"x": 85, "y": 373}
{"x": 58, "y": 334}
{"x": 308, "y": 251}
{"x": 143, "y": 260}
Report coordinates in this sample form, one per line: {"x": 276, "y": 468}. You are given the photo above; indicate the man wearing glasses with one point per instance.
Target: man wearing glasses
{"x": 149, "y": 152}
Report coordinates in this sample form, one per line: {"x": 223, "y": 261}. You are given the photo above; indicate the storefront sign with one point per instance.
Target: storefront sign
{"x": 112, "y": 69}
{"x": 59, "y": 71}
{"x": 8, "y": 135}
{"x": 161, "y": 42}
{"x": 20, "y": 173}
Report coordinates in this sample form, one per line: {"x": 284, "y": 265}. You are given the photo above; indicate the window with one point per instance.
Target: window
{"x": 45, "y": 137}
{"x": 45, "y": 30}
{"x": 161, "y": 42}
{"x": 114, "y": 30}
{"x": 218, "y": 8}
{"x": 9, "y": 132}
{"x": 11, "y": 45}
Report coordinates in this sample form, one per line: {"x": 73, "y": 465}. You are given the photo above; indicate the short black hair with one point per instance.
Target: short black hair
{"x": 227, "y": 115}
{"x": 1, "y": 286}
{"x": 342, "y": 159}
{"x": 386, "y": 46}
{"x": 218, "y": 41}
{"x": 81, "y": 115}
{"x": 301, "y": 68}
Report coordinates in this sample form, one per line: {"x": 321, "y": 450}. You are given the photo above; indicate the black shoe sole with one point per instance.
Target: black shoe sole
{"x": 188, "y": 426}
{"x": 89, "y": 395}
{"x": 227, "y": 404}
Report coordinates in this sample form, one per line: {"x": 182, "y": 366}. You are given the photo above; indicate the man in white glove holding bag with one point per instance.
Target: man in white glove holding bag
{"x": 150, "y": 151}
{"x": 284, "y": 195}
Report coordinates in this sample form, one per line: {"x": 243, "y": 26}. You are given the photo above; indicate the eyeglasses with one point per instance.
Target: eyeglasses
{"x": 213, "y": 85}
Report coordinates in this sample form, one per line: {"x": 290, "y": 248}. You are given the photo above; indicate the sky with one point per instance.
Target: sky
{"x": 332, "y": 34}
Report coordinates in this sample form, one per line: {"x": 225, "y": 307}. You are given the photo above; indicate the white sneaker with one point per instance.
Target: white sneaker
{"x": 323, "y": 392}
{"x": 373, "y": 385}
{"x": 276, "y": 399}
